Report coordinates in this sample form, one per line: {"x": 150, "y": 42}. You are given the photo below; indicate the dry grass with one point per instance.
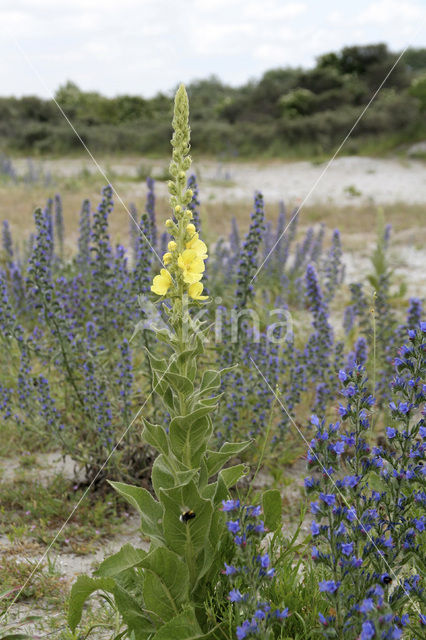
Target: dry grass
{"x": 17, "y": 204}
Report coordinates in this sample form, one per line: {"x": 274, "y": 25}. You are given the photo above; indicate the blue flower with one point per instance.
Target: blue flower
{"x": 367, "y": 605}
{"x": 391, "y": 432}
{"x": 235, "y": 595}
{"x": 243, "y": 630}
{"x": 341, "y": 530}
{"x": 328, "y": 498}
{"x": 230, "y": 505}
{"x": 420, "y": 523}
{"x": 338, "y": 448}
{"x": 233, "y": 527}
{"x": 315, "y": 528}
{"x": 368, "y": 630}
{"x": 315, "y": 508}
{"x": 347, "y": 548}
{"x": 282, "y": 614}
{"x": 323, "y": 619}
{"x": 264, "y": 561}
{"x": 350, "y": 481}
{"x": 260, "y": 528}
{"x": 229, "y": 570}
{"x": 343, "y": 376}
{"x": 330, "y": 586}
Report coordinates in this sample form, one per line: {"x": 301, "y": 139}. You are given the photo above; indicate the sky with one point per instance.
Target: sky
{"x": 145, "y": 46}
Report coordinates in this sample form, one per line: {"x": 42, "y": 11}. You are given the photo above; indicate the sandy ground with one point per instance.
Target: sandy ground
{"x": 346, "y": 180}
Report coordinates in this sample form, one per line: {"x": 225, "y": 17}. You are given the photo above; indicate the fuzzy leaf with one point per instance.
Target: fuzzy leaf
{"x": 181, "y": 627}
{"x": 150, "y": 510}
{"x": 216, "y": 459}
{"x": 179, "y": 383}
{"x": 132, "y": 614}
{"x": 155, "y": 435}
{"x": 272, "y": 509}
{"x": 189, "y": 436}
{"x": 166, "y": 583}
{"x": 162, "y": 474}
{"x": 186, "y": 539}
{"x": 124, "y": 559}
{"x": 231, "y": 475}
{"x": 210, "y": 380}
{"x": 81, "y": 590}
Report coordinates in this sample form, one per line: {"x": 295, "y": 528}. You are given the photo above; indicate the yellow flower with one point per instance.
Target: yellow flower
{"x": 167, "y": 258}
{"x": 161, "y": 283}
{"x": 172, "y": 245}
{"x": 198, "y": 246}
{"x": 191, "y": 265}
{"x": 191, "y": 228}
{"x": 195, "y": 290}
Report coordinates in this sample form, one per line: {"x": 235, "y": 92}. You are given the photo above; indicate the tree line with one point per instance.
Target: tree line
{"x": 287, "y": 112}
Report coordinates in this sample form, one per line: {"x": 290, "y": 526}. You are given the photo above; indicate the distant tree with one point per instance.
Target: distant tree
{"x": 415, "y": 59}
{"x": 68, "y": 96}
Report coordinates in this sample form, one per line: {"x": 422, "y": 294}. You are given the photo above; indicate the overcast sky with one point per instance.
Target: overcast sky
{"x": 144, "y": 46}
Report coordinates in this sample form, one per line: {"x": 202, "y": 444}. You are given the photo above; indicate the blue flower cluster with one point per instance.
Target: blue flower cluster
{"x": 366, "y": 515}
{"x": 250, "y": 571}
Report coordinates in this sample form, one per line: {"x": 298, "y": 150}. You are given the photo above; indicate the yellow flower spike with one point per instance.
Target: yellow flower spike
{"x": 197, "y": 245}
{"x": 167, "y": 258}
{"x": 195, "y": 290}
{"x": 172, "y": 246}
{"x": 191, "y": 228}
{"x": 191, "y": 265}
{"x": 161, "y": 283}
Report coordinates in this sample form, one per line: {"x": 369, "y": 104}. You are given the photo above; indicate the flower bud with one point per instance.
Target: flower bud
{"x": 172, "y": 246}
{"x": 190, "y": 228}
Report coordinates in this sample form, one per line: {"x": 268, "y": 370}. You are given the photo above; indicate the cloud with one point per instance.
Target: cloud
{"x": 390, "y": 11}
{"x": 143, "y": 46}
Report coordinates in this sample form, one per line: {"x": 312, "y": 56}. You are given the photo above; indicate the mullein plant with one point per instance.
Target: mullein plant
{"x": 160, "y": 594}
{"x": 368, "y": 527}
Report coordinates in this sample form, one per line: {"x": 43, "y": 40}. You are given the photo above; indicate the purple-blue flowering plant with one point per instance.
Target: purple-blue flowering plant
{"x": 367, "y": 526}
{"x": 251, "y": 573}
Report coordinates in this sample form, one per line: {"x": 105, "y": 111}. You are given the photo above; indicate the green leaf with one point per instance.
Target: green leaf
{"x": 179, "y": 383}
{"x": 186, "y": 539}
{"x": 189, "y": 436}
{"x": 182, "y": 627}
{"x": 81, "y": 590}
{"x": 231, "y": 475}
{"x": 216, "y": 459}
{"x": 132, "y": 614}
{"x": 150, "y": 510}
{"x": 162, "y": 475}
{"x": 124, "y": 559}
{"x": 155, "y": 435}
{"x": 157, "y": 364}
{"x": 166, "y": 583}
{"x": 210, "y": 380}
{"x": 272, "y": 509}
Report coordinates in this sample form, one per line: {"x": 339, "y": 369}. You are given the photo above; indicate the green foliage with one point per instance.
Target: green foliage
{"x": 256, "y": 117}
{"x": 418, "y": 90}
{"x": 165, "y": 588}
